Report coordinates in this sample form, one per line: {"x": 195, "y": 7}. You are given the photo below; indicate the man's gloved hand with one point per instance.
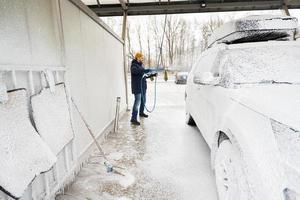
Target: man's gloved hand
{"x": 147, "y": 71}
{"x": 152, "y": 75}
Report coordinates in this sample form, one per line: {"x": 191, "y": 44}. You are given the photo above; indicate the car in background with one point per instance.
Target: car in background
{"x": 181, "y": 77}
{"x": 244, "y": 96}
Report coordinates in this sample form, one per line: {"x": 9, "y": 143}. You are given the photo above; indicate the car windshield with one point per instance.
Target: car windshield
{"x": 261, "y": 65}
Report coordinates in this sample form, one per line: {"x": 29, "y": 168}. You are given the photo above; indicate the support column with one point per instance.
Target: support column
{"x": 124, "y": 27}
{"x": 285, "y": 7}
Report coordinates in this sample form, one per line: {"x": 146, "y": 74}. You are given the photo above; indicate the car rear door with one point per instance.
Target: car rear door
{"x": 201, "y": 96}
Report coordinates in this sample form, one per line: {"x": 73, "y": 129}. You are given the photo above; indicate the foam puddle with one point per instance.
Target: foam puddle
{"x": 115, "y": 156}
{"x": 122, "y": 198}
{"x": 127, "y": 180}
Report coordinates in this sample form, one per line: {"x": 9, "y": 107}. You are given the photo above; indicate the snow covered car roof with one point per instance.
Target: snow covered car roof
{"x": 255, "y": 28}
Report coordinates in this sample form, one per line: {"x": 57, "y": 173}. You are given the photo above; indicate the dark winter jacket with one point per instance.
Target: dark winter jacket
{"x": 137, "y": 81}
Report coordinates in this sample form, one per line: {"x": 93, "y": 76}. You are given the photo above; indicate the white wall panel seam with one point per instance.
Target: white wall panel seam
{"x": 28, "y": 31}
{"x": 58, "y": 24}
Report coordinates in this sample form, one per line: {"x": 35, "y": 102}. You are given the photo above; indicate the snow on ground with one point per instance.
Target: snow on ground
{"x": 164, "y": 158}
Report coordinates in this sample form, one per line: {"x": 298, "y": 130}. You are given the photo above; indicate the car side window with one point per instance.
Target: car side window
{"x": 206, "y": 62}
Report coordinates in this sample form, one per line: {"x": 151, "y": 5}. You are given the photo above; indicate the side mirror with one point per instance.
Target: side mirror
{"x": 206, "y": 78}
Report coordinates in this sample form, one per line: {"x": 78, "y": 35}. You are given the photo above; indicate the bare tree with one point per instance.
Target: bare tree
{"x": 128, "y": 34}
{"x": 155, "y": 29}
{"x": 208, "y": 28}
{"x": 149, "y": 49}
{"x": 183, "y": 41}
{"x": 129, "y": 51}
{"x": 172, "y": 33}
{"x": 139, "y": 34}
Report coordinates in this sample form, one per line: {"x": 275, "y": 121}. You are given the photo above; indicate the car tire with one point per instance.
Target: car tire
{"x": 230, "y": 177}
{"x": 189, "y": 120}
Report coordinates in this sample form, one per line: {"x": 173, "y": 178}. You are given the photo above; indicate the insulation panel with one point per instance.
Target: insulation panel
{"x": 23, "y": 153}
{"x": 52, "y": 117}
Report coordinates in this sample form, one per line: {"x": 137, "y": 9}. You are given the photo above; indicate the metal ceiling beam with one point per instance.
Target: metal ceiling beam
{"x": 191, "y": 6}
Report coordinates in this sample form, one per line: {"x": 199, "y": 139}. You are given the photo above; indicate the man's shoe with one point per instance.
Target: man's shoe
{"x": 143, "y": 115}
{"x": 135, "y": 122}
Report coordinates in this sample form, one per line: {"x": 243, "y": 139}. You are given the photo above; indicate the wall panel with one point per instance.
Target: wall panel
{"x": 95, "y": 70}
{"x": 59, "y": 35}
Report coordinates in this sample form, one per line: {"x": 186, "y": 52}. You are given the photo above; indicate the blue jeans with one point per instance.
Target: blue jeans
{"x": 139, "y": 105}
{"x": 143, "y": 102}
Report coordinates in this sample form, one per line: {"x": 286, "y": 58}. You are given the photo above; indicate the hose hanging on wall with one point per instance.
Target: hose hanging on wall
{"x": 158, "y": 64}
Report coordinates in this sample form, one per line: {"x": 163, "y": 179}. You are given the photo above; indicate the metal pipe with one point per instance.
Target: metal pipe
{"x": 116, "y": 122}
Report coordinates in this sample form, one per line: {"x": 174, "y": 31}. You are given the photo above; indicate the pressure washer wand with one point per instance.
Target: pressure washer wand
{"x": 108, "y": 165}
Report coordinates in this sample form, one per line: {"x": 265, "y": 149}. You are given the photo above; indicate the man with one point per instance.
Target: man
{"x": 139, "y": 87}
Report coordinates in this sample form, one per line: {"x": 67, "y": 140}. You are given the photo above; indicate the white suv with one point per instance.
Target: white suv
{"x": 245, "y": 99}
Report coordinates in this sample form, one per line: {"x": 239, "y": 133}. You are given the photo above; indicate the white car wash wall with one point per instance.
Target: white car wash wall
{"x": 94, "y": 60}
{"x": 63, "y": 37}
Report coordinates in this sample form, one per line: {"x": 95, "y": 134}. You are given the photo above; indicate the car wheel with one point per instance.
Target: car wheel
{"x": 231, "y": 180}
{"x": 189, "y": 119}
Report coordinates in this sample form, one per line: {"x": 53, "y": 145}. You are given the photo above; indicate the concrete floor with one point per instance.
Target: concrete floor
{"x": 164, "y": 158}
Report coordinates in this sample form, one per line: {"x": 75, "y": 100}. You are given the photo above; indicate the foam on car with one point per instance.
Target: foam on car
{"x": 255, "y": 28}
